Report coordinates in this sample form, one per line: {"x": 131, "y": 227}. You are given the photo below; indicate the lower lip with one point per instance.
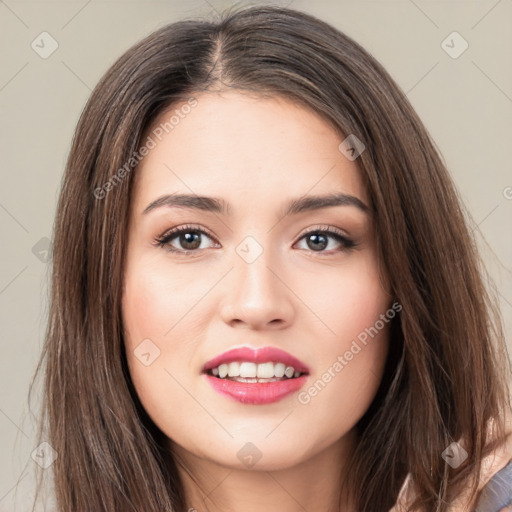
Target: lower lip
{"x": 256, "y": 393}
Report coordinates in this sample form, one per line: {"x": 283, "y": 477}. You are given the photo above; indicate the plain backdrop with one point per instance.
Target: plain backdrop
{"x": 463, "y": 95}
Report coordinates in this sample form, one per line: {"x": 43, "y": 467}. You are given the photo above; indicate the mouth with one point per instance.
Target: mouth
{"x": 263, "y": 363}
{"x": 246, "y": 371}
{"x": 256, "y": 376}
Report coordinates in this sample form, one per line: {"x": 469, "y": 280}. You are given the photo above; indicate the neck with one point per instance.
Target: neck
{"x": 313, "y": 484}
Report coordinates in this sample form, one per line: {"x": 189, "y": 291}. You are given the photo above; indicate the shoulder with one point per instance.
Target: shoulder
{"x": 495, "y": 485}
{"x": 497, "y": 492}
{"x": 496, "y": 481}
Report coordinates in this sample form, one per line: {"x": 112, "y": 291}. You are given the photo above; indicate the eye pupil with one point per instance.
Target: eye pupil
{"x": 190, "y": 240}
{"x": 315, "y": 239}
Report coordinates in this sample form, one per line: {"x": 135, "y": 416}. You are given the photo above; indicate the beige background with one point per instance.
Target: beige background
{"x": 465, "y": 102}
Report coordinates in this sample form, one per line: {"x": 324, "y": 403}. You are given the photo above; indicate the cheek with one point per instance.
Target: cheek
{"x": 159, "y": 302}
{"x": 164, "y": 316}
{"x": 145, "y": 305}
{"x": 152, "y": 308}
{"x": 348, "y": 374}
{"x": 356, "y": 313}
{"x": 346, "y": 299}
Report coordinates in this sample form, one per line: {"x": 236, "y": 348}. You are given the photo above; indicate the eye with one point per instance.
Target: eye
{"x": 189, "y": 237}
{"x": 317, "y": 239}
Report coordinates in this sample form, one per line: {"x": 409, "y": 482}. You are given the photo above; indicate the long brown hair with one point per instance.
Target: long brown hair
{"x": 447, "y": 372}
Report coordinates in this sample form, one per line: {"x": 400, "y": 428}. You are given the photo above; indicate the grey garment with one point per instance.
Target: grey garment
{"x": 498, "y": 491}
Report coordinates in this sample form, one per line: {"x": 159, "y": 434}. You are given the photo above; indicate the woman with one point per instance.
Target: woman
{"x": 265, "y": 294}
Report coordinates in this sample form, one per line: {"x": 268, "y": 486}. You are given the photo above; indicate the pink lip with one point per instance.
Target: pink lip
{"x": 258, "y": 355}
{"x": 256, "y": 393}
{"x": 259, "y": 392}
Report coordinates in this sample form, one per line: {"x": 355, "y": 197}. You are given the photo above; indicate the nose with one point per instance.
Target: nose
{"x": 256, "y": 294}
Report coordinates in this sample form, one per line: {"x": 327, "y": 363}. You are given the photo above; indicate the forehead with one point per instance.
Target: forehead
{"x": 244, "y": 148}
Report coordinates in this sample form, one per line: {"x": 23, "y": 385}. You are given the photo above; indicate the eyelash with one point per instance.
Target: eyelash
{"x": 164, "y": 239}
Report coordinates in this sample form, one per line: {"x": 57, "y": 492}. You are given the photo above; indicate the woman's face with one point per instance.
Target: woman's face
{"x": 256, "y": 279}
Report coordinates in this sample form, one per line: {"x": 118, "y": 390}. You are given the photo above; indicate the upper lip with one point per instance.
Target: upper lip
{"x": 257, "y": 355}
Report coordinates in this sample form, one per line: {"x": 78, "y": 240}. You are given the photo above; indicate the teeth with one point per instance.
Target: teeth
{"x": 254, "y": 371}
{"x": 223, "y": 370}
{"x": 265, "y": 371}
{"x": 247, "y": 370}
{"x": 279, "y": 369}
{"x": 234, "y": 369}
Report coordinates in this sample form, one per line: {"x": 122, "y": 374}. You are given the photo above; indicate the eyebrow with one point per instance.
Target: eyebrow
{"x": 293, "y": 207}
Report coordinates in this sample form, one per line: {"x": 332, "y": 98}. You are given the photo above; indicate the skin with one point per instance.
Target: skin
{"x": 256, "y": 154}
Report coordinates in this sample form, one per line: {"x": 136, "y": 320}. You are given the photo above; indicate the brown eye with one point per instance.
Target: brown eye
{"x": 318, "y": 240}
{"x": 189, "y": 240}
{"x": 186, "y": 238}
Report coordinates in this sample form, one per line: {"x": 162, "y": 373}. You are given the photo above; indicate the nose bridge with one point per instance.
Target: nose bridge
{"x": 256, "y": 295}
